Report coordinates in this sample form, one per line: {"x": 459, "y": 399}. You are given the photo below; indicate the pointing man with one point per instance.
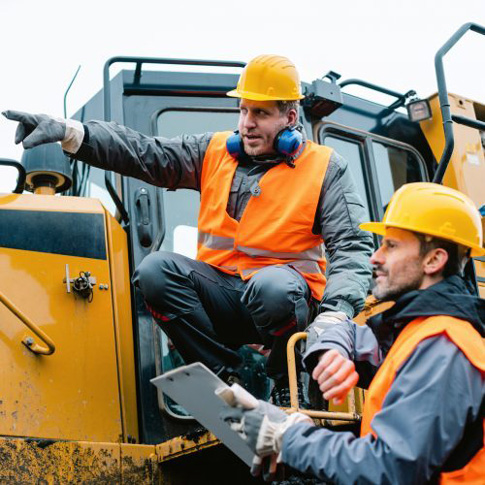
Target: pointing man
{"x": 270, "y": 199}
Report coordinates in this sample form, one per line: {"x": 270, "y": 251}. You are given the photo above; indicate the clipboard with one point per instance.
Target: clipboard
{"x": 194, "y": 387}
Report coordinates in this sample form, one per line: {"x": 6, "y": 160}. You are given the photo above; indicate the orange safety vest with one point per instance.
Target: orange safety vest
{"x": 276, "y": 226}
{"x": 467, "y": 339}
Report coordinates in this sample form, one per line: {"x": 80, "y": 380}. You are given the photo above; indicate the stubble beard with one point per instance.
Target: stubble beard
{"x": 259, "y": 150}
{"x": 253, "y": 152}
{"x": 267, "y": 148}
{"x": 393, "y": 289}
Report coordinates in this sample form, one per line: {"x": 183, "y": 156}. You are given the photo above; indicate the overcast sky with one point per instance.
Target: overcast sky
{"x": 388, "y": 42}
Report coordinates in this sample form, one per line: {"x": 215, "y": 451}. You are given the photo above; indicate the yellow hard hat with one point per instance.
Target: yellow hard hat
{"x": 268, "y": 78}
{"x": 435, "y": 210}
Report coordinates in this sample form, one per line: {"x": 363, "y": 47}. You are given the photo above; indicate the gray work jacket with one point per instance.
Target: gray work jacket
{"x": 421, "y": 422}
{"x": 177, "y": 163}
{"x": 430, "y": 420}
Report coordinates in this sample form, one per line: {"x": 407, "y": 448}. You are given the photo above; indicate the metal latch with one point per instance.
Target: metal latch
{"x": 82, "y": 285}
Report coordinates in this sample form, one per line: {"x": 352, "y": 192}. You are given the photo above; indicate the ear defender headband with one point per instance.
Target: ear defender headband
{"x": 287, "y": 142}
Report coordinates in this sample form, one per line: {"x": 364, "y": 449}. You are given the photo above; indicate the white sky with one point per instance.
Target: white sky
{"x": 388, "y": 42}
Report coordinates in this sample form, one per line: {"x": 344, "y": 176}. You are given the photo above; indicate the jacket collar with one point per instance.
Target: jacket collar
{"x": 449, "y": 297}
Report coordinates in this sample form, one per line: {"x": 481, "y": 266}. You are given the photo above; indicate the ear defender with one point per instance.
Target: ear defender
{"x": 288, "y": 141}
{"x": 234, "y": 145}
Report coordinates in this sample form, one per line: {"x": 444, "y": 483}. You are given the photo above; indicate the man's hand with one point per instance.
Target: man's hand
{"x": 38, "y": 129}
{"x": 262, "y": 428}
{"x": 335, "y": 375}
{"x": 317, "y": 327}
{"x": 34, "y": 130}
{"x": 257, "y": 427}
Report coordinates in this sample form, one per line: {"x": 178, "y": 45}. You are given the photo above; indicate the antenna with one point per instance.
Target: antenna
{"x": 69, "y": 88}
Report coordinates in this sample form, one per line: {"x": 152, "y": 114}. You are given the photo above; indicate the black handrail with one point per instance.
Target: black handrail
{"x": 448, "y": 118}
{"x": 22, "y": 174}
{"x": 139, "y": 61}
{"x": 401, "y": 98}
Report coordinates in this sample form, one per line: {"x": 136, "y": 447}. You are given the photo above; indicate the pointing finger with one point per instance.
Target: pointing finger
{"x": 20, "y": 116}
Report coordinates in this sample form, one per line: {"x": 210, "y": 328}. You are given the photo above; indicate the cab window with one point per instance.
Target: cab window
{"x": 181, "y": 207}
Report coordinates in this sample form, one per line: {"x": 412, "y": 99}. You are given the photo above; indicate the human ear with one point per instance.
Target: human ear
{"x": 292, "y": 117}
{"x": 435, "y": 261}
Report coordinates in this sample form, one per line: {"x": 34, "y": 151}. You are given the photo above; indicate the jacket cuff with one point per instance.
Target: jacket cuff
{"x": 291, "y": 435}
{"x": 74, "y": 136}
{"x": 310, "y": 359}
{"x": 338, "y": 305}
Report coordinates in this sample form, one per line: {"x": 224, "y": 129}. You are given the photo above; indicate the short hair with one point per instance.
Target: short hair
{"x": 285, "y": 106}
{"x": 458, "y": 255}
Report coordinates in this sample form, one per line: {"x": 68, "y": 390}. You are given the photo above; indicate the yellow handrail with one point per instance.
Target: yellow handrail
{"x": 293, "y": 384}
{"x": 29, "y": 342}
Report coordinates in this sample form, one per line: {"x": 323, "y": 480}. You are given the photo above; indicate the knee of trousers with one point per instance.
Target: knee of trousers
{"x": 276, "y": 296}
{"x": 156, "y": 275}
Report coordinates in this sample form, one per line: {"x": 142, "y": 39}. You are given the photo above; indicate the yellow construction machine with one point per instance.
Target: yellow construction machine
{"x": 77, "y": 345}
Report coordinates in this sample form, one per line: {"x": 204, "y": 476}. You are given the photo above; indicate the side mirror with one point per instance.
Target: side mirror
{"x": 12, "y": 176}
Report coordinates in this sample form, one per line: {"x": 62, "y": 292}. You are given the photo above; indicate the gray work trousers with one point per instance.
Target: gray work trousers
{"x": 209, "y": 314}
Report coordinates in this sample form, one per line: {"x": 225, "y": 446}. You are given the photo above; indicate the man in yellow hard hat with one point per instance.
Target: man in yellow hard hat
{"x": 270, "y": 198}
{"x": 422, "y": 360}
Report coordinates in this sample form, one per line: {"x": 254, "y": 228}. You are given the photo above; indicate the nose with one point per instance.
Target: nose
{"x": 377, "y": 257}
{"x": 249, "y": 120}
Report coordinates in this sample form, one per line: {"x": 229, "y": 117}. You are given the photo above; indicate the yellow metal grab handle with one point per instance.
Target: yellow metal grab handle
{"x": 29, "y": 342}
{"x": 293, "y": 384}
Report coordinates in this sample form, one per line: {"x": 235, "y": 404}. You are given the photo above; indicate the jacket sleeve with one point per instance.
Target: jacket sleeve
{"x": 436, "y": 393}
{"x": 166, "y": 162}
{"x": 348, "y": 248}
{"x": 355, "y": 342}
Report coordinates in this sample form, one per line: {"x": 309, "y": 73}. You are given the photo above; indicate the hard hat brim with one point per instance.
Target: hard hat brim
{"x": 375, "y": 227}
{"x": 259, "y": 97}
{"x": 380, "y": 229}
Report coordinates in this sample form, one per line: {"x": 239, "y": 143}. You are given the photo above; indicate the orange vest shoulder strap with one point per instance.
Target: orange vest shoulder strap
{"x": 217, "y": 146}
{"x": 460, "y": 332}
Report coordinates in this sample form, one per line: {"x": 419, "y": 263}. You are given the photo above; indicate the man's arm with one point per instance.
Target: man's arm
{"x": 348, "y": 248}
{"x": 436, "y": 393}
{"x": 353, "y": 342}
{"x": 173, "y": 163}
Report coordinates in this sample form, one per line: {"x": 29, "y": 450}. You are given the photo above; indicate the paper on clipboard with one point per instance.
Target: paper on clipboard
{"x": 194, "y": 387}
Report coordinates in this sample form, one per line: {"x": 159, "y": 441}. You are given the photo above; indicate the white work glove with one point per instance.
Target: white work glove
{"x": 38, "y": 129}
{"x": 323, "y": 320}
{"x": 262, "y": 428}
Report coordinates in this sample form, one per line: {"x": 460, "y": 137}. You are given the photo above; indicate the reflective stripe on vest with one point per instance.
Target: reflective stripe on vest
{"x": 276, "y": 226}
{"x": 215, "y": 242}
{"x": 310, "y": 267}
{"x": 466, "y": 338}
{"x": 314, "y": 254}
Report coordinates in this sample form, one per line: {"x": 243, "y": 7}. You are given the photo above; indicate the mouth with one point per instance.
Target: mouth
{"x": 252, "y": 138}
{"x": 378, "y": 275}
